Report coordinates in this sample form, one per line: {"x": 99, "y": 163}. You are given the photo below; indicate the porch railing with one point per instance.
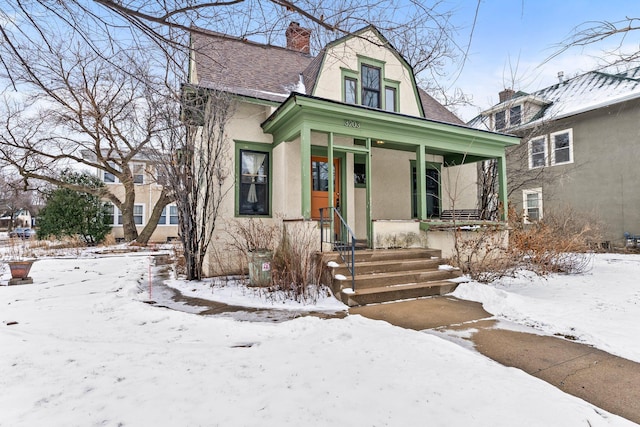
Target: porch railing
{"x": 335, "y": 231}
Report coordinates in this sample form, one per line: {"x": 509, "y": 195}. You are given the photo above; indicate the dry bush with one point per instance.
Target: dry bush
{"x": 296, "y": 270}
{"x": 562, "y": 242}
{"x": 481, "y": 255}
{"x": 249, "y": 235}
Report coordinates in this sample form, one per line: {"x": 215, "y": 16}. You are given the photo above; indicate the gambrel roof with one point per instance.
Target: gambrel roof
{"x": 272, "y": 73}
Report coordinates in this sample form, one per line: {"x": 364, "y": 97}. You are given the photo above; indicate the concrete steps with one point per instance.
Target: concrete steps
{"x": 392, "y": 275}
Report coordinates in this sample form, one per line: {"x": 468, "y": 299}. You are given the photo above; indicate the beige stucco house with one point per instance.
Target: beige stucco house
{"x": 354, "y": 112}
{"x": 147, "y": 193}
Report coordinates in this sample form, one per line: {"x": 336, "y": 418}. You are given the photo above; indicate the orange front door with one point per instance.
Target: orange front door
{"x": 320, "y": 185}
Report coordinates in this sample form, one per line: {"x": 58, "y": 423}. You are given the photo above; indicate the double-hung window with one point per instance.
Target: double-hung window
{"x": 172, "y": 218}
{"x": 137, "y": 170}
{"x": 538, "y": 152}
{"x": 108, "y": 177}
{"x": 532, "y": 205}
{"x": 562, "y": 147}
{"x": 371, "y": 86}
{"x": 253, "y": 196}
{"x": 138, "y": 214}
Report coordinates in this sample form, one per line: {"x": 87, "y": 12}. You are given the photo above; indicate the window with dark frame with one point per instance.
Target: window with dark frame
{"x": 370, "y": 86}
{"x": 500, "y": 117}
{"x": 350, "y": 90}
{"x": 515, "y": 115}
{"x": 254, "y": 183}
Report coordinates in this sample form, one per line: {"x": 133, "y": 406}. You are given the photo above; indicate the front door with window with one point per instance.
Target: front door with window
{"x": 320, "y": 185}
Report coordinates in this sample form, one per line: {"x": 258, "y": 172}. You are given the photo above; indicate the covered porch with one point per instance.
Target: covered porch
{"x": 392, "y": 173}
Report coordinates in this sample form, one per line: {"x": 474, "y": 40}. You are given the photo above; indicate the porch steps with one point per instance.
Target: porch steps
{"x": 391, "y": 275}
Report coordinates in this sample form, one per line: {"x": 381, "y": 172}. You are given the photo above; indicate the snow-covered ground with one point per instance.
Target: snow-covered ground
{"x": 79, "y": 347}
{"x": 600, "y": 307}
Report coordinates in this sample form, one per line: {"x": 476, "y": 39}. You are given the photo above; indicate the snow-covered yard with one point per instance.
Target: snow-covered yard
{"x": 79, "y": 347}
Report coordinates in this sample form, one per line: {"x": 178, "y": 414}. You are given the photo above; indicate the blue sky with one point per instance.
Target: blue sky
{"x": 524, "y": 33}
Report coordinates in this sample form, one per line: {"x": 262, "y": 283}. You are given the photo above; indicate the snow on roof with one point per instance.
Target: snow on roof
{"x": 577, "y": 95}
{"x": 588, "y": 92}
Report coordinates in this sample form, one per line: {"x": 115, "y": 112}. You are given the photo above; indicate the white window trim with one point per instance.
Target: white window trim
{"x": 553, "y": 149}
{"x": 116, "y": 214}
{"x": 143, "y": 213}
{"x": 132, "y": 167}
{"x": 525, "y": 207}
{"x": 167, "y": 217}
{"x": 507, "y": 117}
{"x": 530, "y": 152}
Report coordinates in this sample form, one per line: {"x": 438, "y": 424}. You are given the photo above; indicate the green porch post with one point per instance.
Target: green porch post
{"x": 421, "y": 182}
{"x": 502, "y": 186}
{"x": 330, "y": 170}
{"x": 305, "y": 171}
{"x": 367, "y": 169}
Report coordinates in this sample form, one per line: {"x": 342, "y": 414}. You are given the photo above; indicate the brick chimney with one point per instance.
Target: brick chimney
{"x": 298, "y": 38}
{"x": 506, "y": 95}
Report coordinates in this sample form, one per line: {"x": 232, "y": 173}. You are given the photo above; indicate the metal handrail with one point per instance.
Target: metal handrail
{"x": 343, "y": 242}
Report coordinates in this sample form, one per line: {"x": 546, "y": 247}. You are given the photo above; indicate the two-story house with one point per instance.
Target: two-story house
{"x": 354, "y": 111}
{"x": 148, "y": 190}
{"x": 580, "y": 148}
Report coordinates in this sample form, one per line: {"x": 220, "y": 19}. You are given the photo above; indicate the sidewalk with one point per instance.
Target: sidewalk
{"x": 609, "y": 382}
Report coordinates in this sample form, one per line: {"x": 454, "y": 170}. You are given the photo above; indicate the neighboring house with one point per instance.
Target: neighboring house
{"x": 354, "y": 111}
{"x": 580, "y": 148}
{"x": 21, "y": 218}
{"x": 147, "y": 194}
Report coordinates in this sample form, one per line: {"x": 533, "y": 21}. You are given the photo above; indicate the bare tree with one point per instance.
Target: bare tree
{"x": 13, "y": 198}
{"x": 82, "y": 110}
{"x": 593, "y": 32}
{"x": 422, "y": 32}
{"x": 194, "y": 160}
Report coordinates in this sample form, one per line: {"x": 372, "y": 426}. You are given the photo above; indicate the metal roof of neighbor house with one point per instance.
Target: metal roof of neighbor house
{"x": 268, "y": 72}
{"x": 579, "y": 94}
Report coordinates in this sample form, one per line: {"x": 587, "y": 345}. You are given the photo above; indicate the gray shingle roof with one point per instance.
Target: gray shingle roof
{"x": 269, "y": 72}
{"x": 247, "y": 68}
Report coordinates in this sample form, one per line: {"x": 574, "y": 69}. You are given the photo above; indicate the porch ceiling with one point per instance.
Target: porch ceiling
{"x": 458, "y": 144}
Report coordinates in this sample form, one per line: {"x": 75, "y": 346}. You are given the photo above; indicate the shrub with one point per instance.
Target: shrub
{"x": 563, "y": 242}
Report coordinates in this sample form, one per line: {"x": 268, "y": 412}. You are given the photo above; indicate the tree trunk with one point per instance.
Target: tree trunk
{"x": 152, "y": 224}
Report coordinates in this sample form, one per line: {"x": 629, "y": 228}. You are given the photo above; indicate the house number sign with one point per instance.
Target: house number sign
{"x": 352, "y": 124}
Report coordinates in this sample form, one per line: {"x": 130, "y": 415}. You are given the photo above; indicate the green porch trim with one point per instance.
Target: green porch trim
{"x": 251, "y": 146}
{"x": 368, "y": 193}
{"x": 305, "y": 171}
{"x": 321, "y": 151}
{"x": 399, "y": 131}
{"x": 421, "y": 182}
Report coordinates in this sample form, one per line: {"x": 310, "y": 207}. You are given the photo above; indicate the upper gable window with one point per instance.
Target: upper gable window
{"x": 515, "y": 115}
{"x": 562, "y": 147}
{"x": 509, "y": 117}
{"x": 501, "y": 119}
{"x": 350, "y": 90}
{"x": 370, "y": 86}
{"x": 390, "y": 99}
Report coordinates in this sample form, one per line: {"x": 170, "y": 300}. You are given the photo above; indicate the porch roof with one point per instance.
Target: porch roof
{"x": 457, "y": 143}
